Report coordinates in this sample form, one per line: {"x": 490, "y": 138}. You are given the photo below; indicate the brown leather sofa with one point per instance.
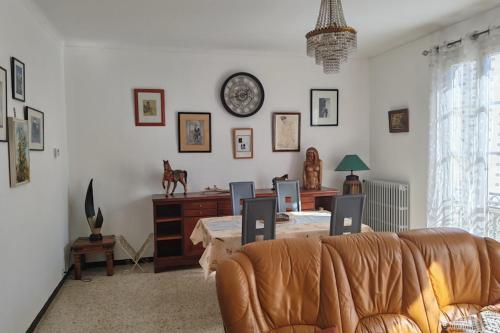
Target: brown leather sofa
{"x": 370, "y": 282}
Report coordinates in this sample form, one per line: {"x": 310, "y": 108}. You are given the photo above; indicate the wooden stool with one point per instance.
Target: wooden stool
{"x": 82, "y": 246}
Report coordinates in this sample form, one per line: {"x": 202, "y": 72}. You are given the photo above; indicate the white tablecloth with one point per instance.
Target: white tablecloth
{"x": 221, "y": 236}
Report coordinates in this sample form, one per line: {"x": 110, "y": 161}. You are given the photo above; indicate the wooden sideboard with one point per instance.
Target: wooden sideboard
{"x": 176, "y": 216}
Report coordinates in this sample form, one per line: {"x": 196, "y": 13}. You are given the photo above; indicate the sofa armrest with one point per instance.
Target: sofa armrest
{"x": 235, "y": 299}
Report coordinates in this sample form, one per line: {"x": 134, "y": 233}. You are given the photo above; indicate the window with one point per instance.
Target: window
{"x": 494, "y": 147}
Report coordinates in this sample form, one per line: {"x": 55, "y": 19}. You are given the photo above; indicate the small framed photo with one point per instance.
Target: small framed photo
{"x": 36, "y": 128}
{"x": 194, "y": 131}
{"x": 399, "y": 121}
{"x": 286, "y": 131}
{"x": 3, "y": 104}
{"x": 324, "y": 107}
{"x": 242, "y": 143}
{"x": 19, "y": 152}
{"x": 149, "y": 107}
{"x": 18, "y": 79}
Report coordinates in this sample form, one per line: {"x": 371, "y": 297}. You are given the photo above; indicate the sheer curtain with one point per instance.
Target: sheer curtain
{"x": 459, "y": 143}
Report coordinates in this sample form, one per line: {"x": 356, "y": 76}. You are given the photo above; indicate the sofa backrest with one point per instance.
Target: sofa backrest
{"x": 463, "y": 269}
{"x": 370, "y": 282}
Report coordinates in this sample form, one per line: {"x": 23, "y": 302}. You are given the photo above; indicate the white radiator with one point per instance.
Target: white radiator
{"x": 387, "y": 205}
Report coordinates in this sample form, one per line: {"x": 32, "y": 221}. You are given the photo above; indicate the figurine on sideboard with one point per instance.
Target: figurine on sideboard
{"x": 275, "y": 179}
{"x": 313, "y": 170}
{"x": 170, "y": 175}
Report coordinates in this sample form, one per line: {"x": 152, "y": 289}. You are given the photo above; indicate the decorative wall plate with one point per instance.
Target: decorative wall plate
{"x": 242, "y": 94}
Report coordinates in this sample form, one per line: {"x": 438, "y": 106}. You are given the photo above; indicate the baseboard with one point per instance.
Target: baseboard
{"x": 47, "y": 304}
{"x": 40, "y": 314}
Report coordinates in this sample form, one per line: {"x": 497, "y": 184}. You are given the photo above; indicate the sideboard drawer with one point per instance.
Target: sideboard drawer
{"x": 201, "y": 205}
{"x": 200, "y": 212}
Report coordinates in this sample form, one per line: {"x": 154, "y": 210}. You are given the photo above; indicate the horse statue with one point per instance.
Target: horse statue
{"x": 175, "y": 176}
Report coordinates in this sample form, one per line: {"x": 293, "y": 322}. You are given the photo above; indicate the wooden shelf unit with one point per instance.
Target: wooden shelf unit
{"x": 176, "y": 216}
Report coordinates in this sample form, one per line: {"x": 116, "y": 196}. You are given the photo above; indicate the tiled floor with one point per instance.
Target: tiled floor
{"x": 176, "y": 301}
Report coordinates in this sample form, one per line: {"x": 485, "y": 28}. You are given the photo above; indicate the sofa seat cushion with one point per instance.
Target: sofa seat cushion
{"x": 387, "y": 323}
{"x": 296, "y": 329}
{"x": 458, "y": 311}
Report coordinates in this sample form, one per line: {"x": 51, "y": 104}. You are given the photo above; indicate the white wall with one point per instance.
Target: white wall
{"x": 126, "y": 161}
{"x": 401, "y": 78}
{"x": 33, "y": 217}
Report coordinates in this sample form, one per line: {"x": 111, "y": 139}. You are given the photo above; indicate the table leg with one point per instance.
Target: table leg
{"x": 83, "y": 262}
{"x": 78, "y": 268}
{"x": 109, "y": 263}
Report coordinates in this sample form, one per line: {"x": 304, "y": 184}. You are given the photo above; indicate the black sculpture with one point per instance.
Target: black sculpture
{"x": 275, "y": 179}
{"x": 95, "y": 222}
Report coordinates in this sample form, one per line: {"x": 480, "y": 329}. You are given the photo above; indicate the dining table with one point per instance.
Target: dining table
{"x": 221, "y": 236}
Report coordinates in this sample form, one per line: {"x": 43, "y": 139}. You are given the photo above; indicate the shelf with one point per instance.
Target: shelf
{"x": 169, "y": 219}
{"x": 169, "y": 237}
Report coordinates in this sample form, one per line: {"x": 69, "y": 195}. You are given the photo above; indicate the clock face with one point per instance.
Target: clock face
{"x": 242, "y": 94}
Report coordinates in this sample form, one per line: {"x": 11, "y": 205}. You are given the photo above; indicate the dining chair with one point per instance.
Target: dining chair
{"x": 258, "y": 209}
{"x": 347, "y": 207}
{"x": 240, "y": 191}
{"x": 288, "y": 193}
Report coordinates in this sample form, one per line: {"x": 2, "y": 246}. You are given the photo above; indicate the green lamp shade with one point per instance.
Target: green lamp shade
{"x": 352, "y": 163}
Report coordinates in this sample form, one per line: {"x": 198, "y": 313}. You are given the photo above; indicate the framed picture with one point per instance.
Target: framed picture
{"x": 324, "y": 107}
{"x": 399, "y": 121}
{"x": 194, "y": 131}
{"x": 242, "y": 143}
{"x": 286, "y": 131}
{"x": 3, "y": 104}
{"x": 36, "y": 128}
{"x": 18, "y": 79}
{"x": 19, "y": 152}
{"x": 149, "y": 107}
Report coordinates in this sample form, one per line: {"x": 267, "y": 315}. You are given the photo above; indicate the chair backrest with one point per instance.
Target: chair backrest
{"x": 288, "y": 193}
{"x": 258, "y": 209}
{"x": 347, "y": 207}
{"x": 240, "y": 191}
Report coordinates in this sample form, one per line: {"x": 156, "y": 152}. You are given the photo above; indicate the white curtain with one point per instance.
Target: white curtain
{"x": 461, "y": 99}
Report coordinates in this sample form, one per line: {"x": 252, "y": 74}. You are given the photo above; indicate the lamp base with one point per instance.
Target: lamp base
{"x": 352, "y": 185}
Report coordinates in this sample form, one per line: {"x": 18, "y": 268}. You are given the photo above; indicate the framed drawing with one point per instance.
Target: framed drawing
{"x": 399, "y": 121}
{"x": 19, "y": 152}
{"x": 242, "y": 143}
{"x": 18, "y": 77}
{"x": 3, "y": 104}
{"x": 324, "y": 107}
{"x": 286, "y": 131}
{"x": 149, "y": 107}
{"x": 194, "y": 130}
{"x": 36, "y": 128}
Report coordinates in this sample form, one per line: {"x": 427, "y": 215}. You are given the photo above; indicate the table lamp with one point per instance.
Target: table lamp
{"x": 352, "y": 185}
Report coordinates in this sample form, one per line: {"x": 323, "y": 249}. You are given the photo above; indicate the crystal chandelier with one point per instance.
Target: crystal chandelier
{"x": 333, "y": 40}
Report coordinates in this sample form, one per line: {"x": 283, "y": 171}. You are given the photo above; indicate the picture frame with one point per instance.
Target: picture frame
{"x": 324, "y": 107}
{"x": 18, "y": 79}
{"x": 149, "y": 107}
{"x": 399, "y": 121}
{"x": 36, "y": 128}
{"x": 242, "y": 143}
{"x": 194, "y": 132}
{"x": 19, "y": 153}
{"x": 286, "y": 131}
{"x": 3, "y": 104}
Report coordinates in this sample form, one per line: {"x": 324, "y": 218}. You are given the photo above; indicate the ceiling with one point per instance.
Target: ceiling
{"x": 256, "y": 25}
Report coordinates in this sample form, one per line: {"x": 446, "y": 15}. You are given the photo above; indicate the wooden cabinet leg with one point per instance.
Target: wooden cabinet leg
{"x": 78, "y": 268}
{"x": 109, "y": 263}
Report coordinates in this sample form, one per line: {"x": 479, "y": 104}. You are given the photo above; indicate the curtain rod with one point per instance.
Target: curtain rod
{"x": 474, "y": 36}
